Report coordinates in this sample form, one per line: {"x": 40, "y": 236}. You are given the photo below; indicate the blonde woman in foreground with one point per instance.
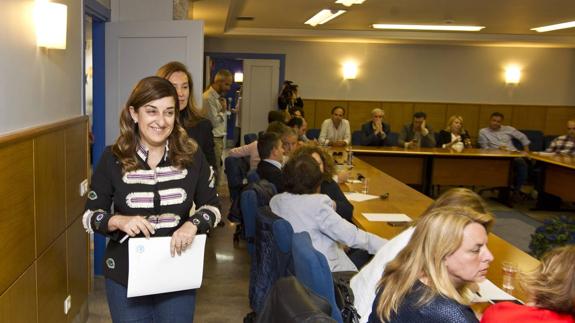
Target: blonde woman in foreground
{"x": 429, "y": 279}
{"x": 364, "y": 283}
{"x": 552, "y": 292}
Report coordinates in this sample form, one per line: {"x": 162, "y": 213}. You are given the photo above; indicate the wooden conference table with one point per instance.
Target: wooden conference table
{"x": 404, "y": 199}
{"x": 437, "y": 166}
{"x": 559, "y": 174}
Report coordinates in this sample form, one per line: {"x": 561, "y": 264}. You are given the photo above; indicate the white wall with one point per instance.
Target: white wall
{"x": 37, "y": 86}
{"x": 424, "y": 73}
{"x": 140, "y": 10}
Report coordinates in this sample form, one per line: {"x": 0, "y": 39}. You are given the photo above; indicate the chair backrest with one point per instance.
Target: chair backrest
{"x": 236, "y": 170}
{"x": 249, "y": 138}
{"x": 313, "y": 271}
{"x": 535, "y": 137}
{"x": 253, "y": 176}
{"x": 547, "y": 139}
{"x": 313, "y": 133}
{"x": 249, "y": 207}
{"x": 283, "y": 235}
{"x": 356, "y": 138}
{"x": 392, "y": 139}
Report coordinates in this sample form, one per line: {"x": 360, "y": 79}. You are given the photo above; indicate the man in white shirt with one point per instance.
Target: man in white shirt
{"x": 335, "y": 131}
{"x": 215, "y": 106}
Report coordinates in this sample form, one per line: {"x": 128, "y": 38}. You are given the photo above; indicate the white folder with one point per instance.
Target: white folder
{"x": 154, "y": 271}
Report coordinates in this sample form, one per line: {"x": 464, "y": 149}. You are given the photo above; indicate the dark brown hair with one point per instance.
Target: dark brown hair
{"x": 181, "y": 148}
{"x": 302, "y": 175}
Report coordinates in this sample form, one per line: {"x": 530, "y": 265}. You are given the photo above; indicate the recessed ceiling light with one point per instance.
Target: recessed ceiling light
{"x": 564, "y": 25}
{"x": 348, "y": 3}
{"x": 323, "y": 16}
{"x": 428, "y": 27}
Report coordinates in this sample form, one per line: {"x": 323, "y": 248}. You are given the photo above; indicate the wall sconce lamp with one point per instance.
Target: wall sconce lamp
{"x": 51, "y": 20}
{"x": 512, "y": 74}
{"x": 238, "y": 77}
{"x": 349, "y": 71}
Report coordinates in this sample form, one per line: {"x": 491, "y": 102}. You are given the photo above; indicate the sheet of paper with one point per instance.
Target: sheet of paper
{"x": 489, "y": 291}
{"x": 387, "y": 217}
{"x": 359, "y": 197}
{"x": 153, "y": 270}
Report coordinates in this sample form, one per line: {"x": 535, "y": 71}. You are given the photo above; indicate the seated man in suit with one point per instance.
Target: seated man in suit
{"x": 498, "y": 136}
{"x": 564, "y": 144}
{"x": 417, "y": 133}
{"x": 375, "y": 132}
{"x": 270, "y": 149}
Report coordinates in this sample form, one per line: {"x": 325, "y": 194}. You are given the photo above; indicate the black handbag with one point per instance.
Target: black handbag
{"x": 344, "y": 296}
{"x": 289, "y": 301}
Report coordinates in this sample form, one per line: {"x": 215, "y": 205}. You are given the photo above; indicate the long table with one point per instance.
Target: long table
{"x": 426, "y": 167}
{"x": 559, "y": 174}
{"x": 404, "y": 199}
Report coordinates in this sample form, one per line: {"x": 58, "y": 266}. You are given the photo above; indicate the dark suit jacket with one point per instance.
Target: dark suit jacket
{"x": 444, "y": 137}
{"x": 369, "y": 138}
{"x": 272, "y": 174}
{"x": 343, "y": 207}
{"x": 202, "y": 134}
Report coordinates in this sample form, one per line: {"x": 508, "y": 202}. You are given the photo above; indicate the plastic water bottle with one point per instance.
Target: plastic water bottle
{"x": 349, "y": 155}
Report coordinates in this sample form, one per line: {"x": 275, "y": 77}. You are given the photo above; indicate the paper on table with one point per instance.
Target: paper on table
{"x": 387, "y": 217}
{"x": 489, "y": 291}
{"x": 359, "y": 197}
{"x": 153, "y": 270}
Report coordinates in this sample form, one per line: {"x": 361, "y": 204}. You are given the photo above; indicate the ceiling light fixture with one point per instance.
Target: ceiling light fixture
{"x": 323, "y": 16}
{"x": 349, "y": 3}
{"x": 563, "y": 25}
{"x": 428, "y": 27}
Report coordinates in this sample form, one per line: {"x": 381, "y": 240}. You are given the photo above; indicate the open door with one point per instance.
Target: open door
{"x": 135, "y": 50}
{"x": 260, "y": 92}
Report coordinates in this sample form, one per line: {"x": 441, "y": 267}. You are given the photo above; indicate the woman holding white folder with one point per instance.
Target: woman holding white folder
{"x": 153, "y": 175}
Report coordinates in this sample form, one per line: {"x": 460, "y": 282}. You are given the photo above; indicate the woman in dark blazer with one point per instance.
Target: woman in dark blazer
{"x": 453, "y": 134}
{"x": 198, "y": 128}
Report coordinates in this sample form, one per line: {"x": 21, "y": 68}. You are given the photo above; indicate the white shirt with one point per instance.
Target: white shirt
{"x": 329, "y": 133}
{"x": 364, "y": 283}
{"x": 211, "y": 104}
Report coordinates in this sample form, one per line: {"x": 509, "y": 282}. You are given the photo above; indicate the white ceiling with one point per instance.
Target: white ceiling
{"x": 507, "y": 22}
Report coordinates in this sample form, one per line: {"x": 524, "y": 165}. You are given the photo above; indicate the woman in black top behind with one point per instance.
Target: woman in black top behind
{"x": 329, "y": 186}
{"x": 454, "y": 133}
{"x": 198, "y": 128}
{"x": 153, "y": 175}
{"x": 429, "y": 280}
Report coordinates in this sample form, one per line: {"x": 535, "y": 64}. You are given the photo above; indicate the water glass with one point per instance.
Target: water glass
{"x": 509, "y": 270}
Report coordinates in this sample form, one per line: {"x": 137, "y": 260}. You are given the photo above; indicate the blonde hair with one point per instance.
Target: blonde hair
{"x": 459, "y": 197}
{"x": 552, "y": 284}
{"x": 328, "y": 164}
{"x": 437, "y": 235}
{"x": 450, "y": 122}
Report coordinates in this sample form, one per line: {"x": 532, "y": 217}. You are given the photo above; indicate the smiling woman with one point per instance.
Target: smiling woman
{"x": 153, "y": 171}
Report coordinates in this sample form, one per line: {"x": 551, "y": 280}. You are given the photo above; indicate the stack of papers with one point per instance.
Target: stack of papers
{"x": 359, "y": 197}
{"x": 154, "y": 271}
{"x": 387, "y": 217}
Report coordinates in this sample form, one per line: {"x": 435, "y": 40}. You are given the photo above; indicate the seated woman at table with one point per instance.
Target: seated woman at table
{"x": 308, "y": 211}
{"x": 364, "y": 283}
{"x": 552, "y": 292}
{"x": 429, "y": 279}
{"x": 328, "y": 186}
{"x": 454, "y": 133}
